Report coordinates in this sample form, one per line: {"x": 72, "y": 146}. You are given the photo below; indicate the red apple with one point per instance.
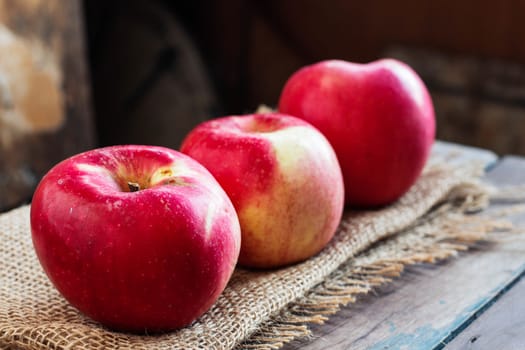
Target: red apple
{"x": 139, "y": 238}
{"x": 283, "y": 178}
{"x": 378, "y": 117}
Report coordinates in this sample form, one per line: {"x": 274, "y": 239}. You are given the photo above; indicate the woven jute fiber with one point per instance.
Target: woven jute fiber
{"x": 258, "y": 309}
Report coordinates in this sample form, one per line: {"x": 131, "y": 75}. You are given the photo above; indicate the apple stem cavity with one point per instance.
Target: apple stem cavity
{"x": 133, "y": 186}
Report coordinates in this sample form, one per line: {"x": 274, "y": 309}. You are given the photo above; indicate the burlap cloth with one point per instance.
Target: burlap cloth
{"x": 258, "y": 309}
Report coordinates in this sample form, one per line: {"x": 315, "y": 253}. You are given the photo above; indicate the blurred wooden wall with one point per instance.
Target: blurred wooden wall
{"x": 253, "y": 46}
{"x": 150, "y": 85}
{"x": 160, "y": 67}
{"x": 45, "y": 110}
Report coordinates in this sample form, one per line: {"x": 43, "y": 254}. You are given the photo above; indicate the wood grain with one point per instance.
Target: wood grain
{"x": 429, "y": 304}
{"x": 501, "y": 327}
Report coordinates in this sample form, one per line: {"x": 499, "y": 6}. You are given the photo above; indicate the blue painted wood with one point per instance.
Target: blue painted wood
{"x": 430, "y": 305}
{"x": 500, "y": 327}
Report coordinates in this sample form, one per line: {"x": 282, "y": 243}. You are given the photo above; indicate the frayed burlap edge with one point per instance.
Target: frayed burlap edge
{"x": 447, "y": 229}
{"x": 268, "y": 308}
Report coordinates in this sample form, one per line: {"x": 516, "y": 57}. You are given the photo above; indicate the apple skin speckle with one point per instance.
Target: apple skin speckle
{"x": 283, "y": 178}
{"x": 120, "y": 257}
{"x": 378, "y": 117}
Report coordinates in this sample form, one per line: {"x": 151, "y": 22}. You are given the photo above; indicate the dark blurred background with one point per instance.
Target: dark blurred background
{"x": 148, "y": 71}
{"x": 237, "y": 54}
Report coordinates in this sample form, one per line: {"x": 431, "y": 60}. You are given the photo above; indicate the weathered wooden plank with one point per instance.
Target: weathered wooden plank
{"x": 455, "y": 153}
{"x": 429, "y": 304}
{"x": 510, "y": 172}
{"x": 501, "y": 327}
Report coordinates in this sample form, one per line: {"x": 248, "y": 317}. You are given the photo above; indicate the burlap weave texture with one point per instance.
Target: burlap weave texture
{"x": 34, "y": 316}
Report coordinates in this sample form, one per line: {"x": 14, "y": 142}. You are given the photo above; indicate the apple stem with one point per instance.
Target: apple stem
{"x": 133, "y": 186}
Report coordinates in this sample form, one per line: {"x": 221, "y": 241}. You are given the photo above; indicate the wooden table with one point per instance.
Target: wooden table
{"x": 475, "y": 301}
